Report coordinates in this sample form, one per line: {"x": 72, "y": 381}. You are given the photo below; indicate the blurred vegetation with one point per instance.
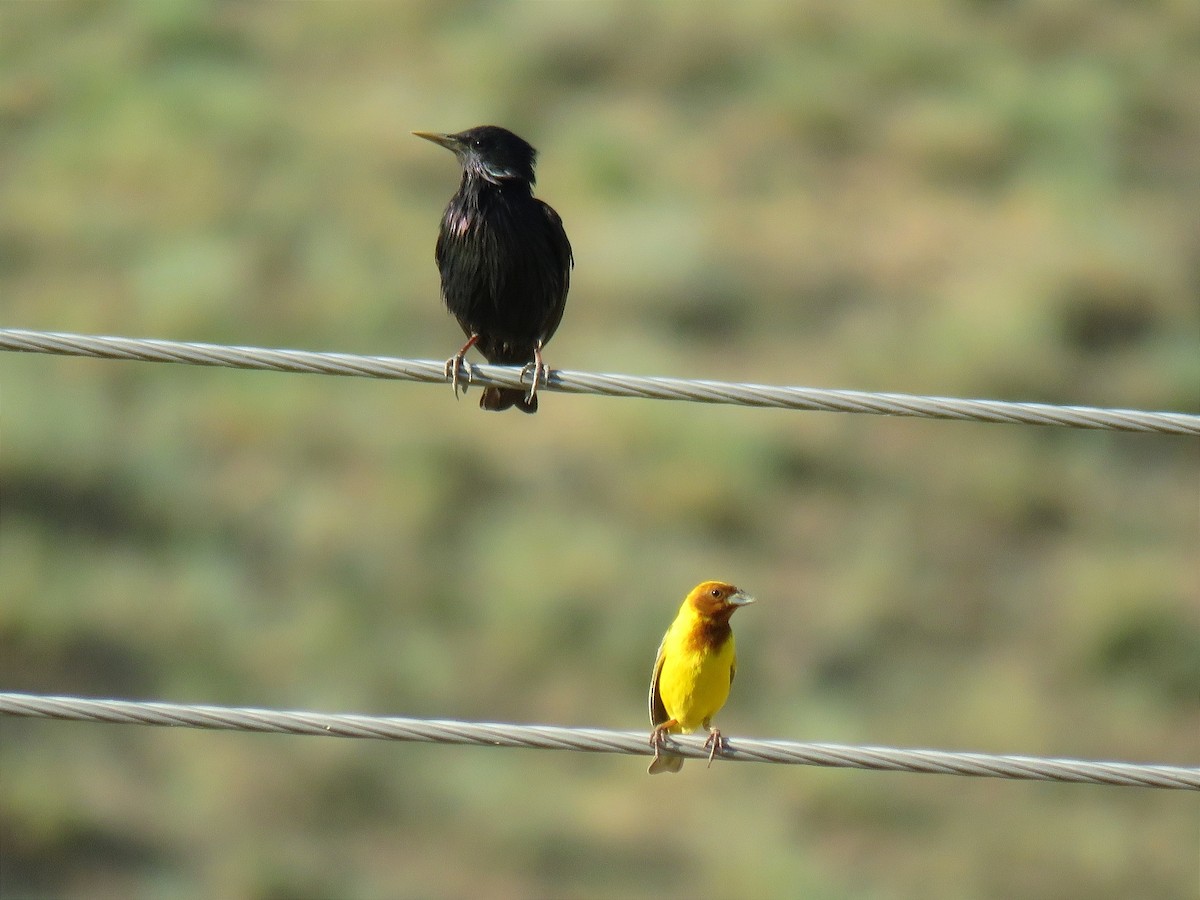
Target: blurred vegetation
{"x": 976, "y": 198}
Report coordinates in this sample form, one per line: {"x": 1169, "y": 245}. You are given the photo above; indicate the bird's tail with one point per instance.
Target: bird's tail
{"x": 497, "y": 399}
{"x": 665, "y": 762}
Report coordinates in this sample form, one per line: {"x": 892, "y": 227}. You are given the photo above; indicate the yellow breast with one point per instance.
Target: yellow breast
{"x": 694, "y": 680}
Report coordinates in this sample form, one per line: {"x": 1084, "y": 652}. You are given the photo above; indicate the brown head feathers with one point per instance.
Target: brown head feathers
{"x": 717, "y": 600}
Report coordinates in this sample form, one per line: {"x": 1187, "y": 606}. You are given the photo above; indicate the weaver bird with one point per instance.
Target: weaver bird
{"x": 693, "y": 671}
{"x": 504, "y": 258}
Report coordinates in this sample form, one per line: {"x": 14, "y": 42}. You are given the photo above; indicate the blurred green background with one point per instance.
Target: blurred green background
{"x": 991, "y": 199}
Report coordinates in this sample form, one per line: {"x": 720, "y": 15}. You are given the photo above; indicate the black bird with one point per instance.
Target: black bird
{"x": 504, "y": 258}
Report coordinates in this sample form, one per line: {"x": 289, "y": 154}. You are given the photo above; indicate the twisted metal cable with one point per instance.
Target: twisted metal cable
{"x": 594, "y": 740}
{"x": 756, "y": 395}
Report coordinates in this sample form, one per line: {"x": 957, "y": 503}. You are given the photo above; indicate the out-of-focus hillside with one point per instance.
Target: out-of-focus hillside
{"x": 967, "y": 199}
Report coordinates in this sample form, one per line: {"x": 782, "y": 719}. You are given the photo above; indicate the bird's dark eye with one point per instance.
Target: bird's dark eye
{"x": 716, "y": 592}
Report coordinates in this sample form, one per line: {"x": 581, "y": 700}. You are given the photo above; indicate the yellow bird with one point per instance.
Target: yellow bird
{"x": 694, "y": 669}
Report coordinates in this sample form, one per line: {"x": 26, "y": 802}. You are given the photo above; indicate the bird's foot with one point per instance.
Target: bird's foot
{"x": 539, "y": 372}
{"x": 658, "y": 736}
{"x": 457, "y": 366}
{"x": 715, "y": 744}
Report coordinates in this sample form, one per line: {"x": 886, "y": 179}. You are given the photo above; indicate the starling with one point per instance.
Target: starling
{"x": 504, "y": 258}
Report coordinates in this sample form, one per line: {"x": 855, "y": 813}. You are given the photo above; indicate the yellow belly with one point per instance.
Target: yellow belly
{"x": 694, "y": 686}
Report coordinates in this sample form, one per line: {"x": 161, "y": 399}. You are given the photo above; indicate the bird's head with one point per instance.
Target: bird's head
{"x": 715, "y": 599}
{"x": 489, "y": 152}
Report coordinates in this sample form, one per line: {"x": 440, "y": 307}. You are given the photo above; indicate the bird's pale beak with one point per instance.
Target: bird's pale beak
{"x": 449, "y": 141}
{"x": 739, "y": 599}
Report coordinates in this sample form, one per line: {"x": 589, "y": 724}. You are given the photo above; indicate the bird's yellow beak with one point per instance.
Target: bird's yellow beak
{"x": 739, "y": 599}
{"x": 449, "y": 141}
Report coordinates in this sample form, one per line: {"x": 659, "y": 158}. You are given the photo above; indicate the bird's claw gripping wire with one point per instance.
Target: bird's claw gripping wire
{"x": 715, "y": 744}
{"x": 658, "y": 737}
{"x": 458, "y": 364}
{"x": 454, "y": 366}
{"x": 538, "y": 371}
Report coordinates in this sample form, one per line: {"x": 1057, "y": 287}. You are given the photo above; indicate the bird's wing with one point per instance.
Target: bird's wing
{"x": 658, "y": 712}
{"x": 561, "y": 247}
{"x": 732, "y": 669}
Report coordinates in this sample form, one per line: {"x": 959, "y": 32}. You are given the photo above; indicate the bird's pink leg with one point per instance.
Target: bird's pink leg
{"x": 659, "y": 735}
{"x": 458, "y": 362}
{"x": 539, "y": 372}
{"x": 715, "y": 743}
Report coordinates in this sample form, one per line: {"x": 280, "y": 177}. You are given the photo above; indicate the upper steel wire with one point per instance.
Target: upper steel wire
{"x": 593, "y": 740}
{"x": 605, "y": 385}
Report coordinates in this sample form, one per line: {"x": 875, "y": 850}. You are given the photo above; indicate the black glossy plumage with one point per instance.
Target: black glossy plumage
{"x": 503, "y": 255}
